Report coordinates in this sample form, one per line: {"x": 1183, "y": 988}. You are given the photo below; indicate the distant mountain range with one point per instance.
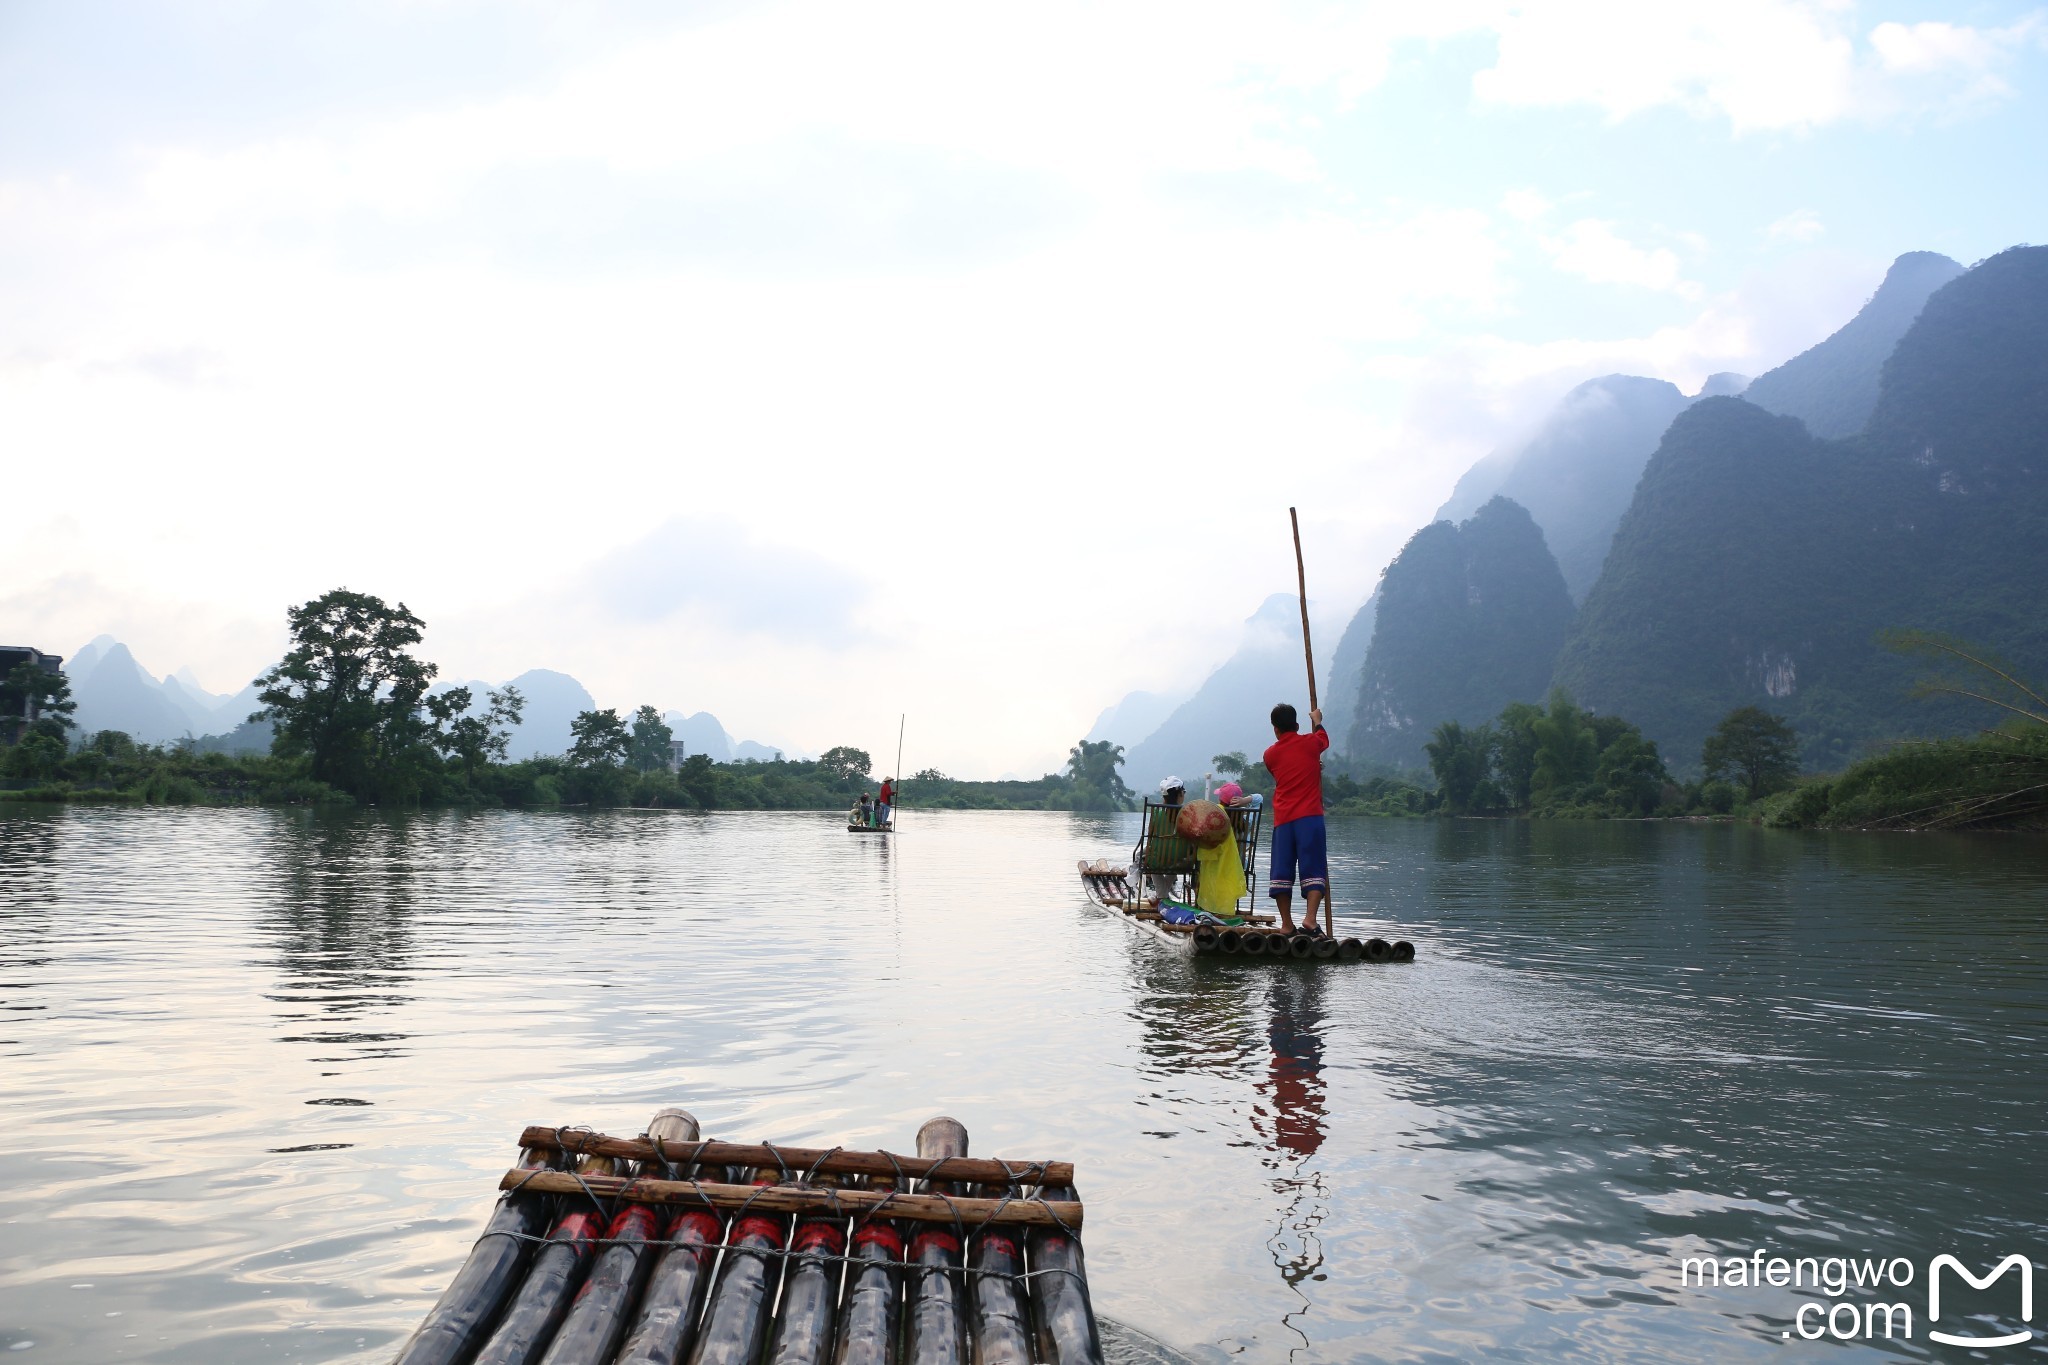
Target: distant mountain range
{"x": 114, "y": 692}
{"x": 1741, "y": 544}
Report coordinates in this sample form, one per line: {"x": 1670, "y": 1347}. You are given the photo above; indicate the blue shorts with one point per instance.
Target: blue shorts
{"x": 1301, "y": 846}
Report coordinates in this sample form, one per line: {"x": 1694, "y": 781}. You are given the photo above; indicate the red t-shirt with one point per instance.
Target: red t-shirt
{"x": 1296, "y": 762}
{"x": 888, "y": 794}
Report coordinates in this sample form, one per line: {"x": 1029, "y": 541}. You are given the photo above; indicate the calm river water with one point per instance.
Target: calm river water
{"x": 261, "y": 1068}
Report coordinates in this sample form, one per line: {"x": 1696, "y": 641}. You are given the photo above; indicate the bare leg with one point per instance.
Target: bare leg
{"x": 1284, "y": 903}
{"x": 1314, "y": 897}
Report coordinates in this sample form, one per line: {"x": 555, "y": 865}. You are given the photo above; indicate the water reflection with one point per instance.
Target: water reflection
{"x": 1290, "y": 1116}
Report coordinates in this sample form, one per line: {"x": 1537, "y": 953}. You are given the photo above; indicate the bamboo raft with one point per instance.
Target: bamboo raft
{"x": 664, "y": 1248}
{"x": 870, "y": 829}
{"x": 1259, "y": 936}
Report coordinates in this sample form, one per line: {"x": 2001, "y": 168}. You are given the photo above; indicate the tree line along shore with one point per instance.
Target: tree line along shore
{"x": 357, "y": 721}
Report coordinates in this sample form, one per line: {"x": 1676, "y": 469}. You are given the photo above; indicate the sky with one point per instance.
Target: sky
{"x": 813, "y": 364}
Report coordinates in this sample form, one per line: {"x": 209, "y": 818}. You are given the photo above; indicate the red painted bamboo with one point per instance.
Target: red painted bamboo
{"x": 1059, "y": 1296}
{"x": 810, "y": 1290}
{"x": 871, "y": 1311}
{"x": 599, "y": 1317}
{"x": 935, "y": 1311}
{"x": 736, "y": 1318}
{"x": 999, "y": 1312}
{"x": 523, "y": 1333}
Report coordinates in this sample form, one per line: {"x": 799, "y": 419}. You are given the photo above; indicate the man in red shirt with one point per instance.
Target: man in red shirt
{"x": 885, "y": 803}
{"x": 1300, "y": 844}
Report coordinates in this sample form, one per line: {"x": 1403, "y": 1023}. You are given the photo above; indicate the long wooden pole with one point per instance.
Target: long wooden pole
{"x": 899, "y": 767}
{"x": 780, "y": 1199}
{"x": 981, "y": 1170}
{"x": 1301, "y": 582}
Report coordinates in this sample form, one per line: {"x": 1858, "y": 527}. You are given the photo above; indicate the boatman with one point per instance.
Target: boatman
{"x": 1299, "y": 842}
{"x": 885, "y": 802}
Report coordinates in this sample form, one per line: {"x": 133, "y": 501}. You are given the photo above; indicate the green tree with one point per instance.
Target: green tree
{"x": 1231, "y": 764}
{"x": 850, "y": 764}
{"x": 1567, "y": 749}
{"x": 1460, "y": 759}
{"x": 651, "y": 738}
{"x": 1753, "y": 747}
{"x": 30, "y": 692}
{"x": 1632, "y": 771}
{"x": 1092, "y": 767}
{"x": 348, "y": 694}
{"x": 474, "y": 738}
{"x": 599, "y": 739}
{"x": 1514, "y": 750}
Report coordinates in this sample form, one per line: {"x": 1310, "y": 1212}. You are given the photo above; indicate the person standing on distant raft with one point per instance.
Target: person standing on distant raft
{"x": 885, "y": 802}
{"x": 1300, "y": 843}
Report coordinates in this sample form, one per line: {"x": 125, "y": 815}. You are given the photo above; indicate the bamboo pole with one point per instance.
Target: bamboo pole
{"x": 459, "y": 1319}
{"x": 669, "y": 1308}
{"x": 736, "y": 1318}
{"x": 544, "y": 1295}
{"x": 598, "y": 1318}
{"x": 919, "y": 1208}
{"x": 810, "y": 1291}
{"x": 998, "y": 1307}
{"x": 935, "y": 1310}
{"x": 1301, "y": 583}
{"x": 900, "y": 721}
{"x": 978, "y": 1170}
{"x": 1067, "y": 1334}
{"x": 871, "y": 1310}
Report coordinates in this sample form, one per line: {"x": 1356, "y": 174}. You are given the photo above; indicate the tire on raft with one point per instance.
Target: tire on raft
{"x": 1301, "y": 946}
{"x": 1253, "y": 944}
{"x": 1205, "y": 939}
{"x": 1404, "y": 951}
{"x": 1378, "y": 950}
{"x": 1349, "y": 950}
{"x": 1323, "y": 949}
{"x": 1229, "y": 941}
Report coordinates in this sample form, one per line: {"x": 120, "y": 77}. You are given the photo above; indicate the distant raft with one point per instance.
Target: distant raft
{"x": 664, "y": 1248}
{"x": 1255, "y": 936}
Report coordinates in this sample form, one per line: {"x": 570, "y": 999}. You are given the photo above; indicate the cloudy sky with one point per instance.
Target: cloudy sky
{"x": 810, "y": 363}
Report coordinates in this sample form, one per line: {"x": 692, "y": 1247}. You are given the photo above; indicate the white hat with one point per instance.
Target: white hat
{"x": 1168, "y": 785}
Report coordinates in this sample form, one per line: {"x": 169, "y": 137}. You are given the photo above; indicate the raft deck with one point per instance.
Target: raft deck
{"x": 664, "y": 1248}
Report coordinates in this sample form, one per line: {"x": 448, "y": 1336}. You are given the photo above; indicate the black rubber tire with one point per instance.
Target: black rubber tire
{"x": 1404, "y": 951}
{"x": 1378, "y": 950}
{"x": 1325, "y": 948}
{"x": 1254, "y": 944}
{"x": 1349, "y": 950}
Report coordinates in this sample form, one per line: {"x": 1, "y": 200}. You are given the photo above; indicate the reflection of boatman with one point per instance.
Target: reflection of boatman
{"x": 1295, "y": 1075}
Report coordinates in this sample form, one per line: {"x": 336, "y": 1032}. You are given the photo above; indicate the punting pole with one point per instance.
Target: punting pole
{"x": 1301, "y": 582}
{"x": 1059, "y": 1295}
{"x": 666, "y": 1323}
{"x": 999, "y": 1311}
{"x": 598, "y": 1318}
{"x": 523, "y": 1332}
{"x": 871, "y": 1310}
{"x": 810, "y": 1289}
{"x": 736, "y": 1318}
{"x": 899, "y": 767}
{"x": 935, "y": 1311}
{"x": 455, "y": 1324}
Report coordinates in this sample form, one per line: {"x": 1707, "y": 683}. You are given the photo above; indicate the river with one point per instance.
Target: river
{"x": 260, "y": 1068}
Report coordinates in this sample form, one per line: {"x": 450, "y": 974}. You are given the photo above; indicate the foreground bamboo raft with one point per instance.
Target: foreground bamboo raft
{"x": 664, "y": 1249}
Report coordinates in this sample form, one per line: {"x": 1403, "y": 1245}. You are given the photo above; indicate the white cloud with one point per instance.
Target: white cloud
{"x": 1525, "y": 206}
{"x": 1591, "y": 249}
{"x": 1798, "y": 226}
{"x": 1762, "y": 65}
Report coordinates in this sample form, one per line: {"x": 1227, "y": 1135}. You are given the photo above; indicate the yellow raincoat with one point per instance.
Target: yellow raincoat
{"x": 1220, "y": 881}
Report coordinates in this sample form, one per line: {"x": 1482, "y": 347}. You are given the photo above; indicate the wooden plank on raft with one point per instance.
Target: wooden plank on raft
{"x": 982, "y": 1170}
{"x": 921, "y": 1208}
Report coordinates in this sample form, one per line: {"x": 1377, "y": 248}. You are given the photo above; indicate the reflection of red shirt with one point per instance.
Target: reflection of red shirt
{"x": 888, "y": 795}
{"x": 1296, "y": 762}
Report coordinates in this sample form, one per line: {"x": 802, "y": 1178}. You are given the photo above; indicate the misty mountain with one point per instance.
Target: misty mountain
{"x": 552, "y": 702}
{"x": 1134, "y": 718}
{"x": 1229, "y": 710}
{"x": 114, "y": 692}
{"x": 1833, "y": 386}
{"x": 1576, "y": 474}
{"x": 1346, "y": 672}
{"x": 1471, "y": 617}
{"x": 1757, "y": 562}
{"x": 702, "y": 734}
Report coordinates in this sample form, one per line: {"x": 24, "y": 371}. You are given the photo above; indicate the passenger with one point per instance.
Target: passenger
{"x": 885, "y": 804}
{"x": 1164, "y": 827}
{"x": 1300, "y": 843}
{"x": 864, "y": 811}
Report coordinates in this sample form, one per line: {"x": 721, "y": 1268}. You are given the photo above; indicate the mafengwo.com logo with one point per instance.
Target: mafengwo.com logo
{"x": 1860, "y": 1298}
